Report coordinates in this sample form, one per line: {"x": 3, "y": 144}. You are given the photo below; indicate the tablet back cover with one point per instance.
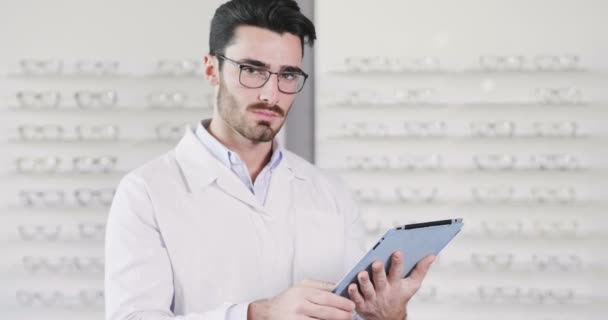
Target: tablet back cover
{"x": 415, "y": 244}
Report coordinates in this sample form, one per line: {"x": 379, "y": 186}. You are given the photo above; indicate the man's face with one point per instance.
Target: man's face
{"x": 257, "y": 114}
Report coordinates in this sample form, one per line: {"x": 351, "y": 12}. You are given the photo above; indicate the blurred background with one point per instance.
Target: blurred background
{"x": 493, "y": 111}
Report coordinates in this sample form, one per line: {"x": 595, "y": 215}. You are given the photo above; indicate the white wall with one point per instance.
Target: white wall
{"x": 136, "y": 34}
{"x": 457, "y": 33}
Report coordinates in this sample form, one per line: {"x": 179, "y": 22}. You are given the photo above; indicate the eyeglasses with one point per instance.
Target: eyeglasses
{"x": 39, "y": 232}
{"x": 94, "y": 197}
{"x": 42, "y": 198}
{"x": 62, "y": 264}
{"x": 510, "y": 129}
{"x": 492, "y": 261}
{"x": 41, "y": 67}
{"x": 416, "y": 195}
{"x": 91, "y": 99}
{"x": 399, "y": 194}
{"x": 52, "y": 132}
{"x": 409, "y": 97}
{"x": 556, "y": 229}
{"x": 38, "y": 165}
{"x": 81, "y": 197}
{"x": 185, "y": 67}
{"x": 505, "y": 261}
{"x": 89, "y": 231}
{"x": 544, "y": 262}
{"x": 502, "y": 63}
{"x": 97, "y": 132}
{"x": 52, "y": 164}
{"x": 407, "y": 129}
{"x": 499, "y": 129}
{"x": 494, "y": 161}
{"x": 40, "y": 132}
{"x": 556, "y": 129}
{"x": 502, "y": 228}
{"x": 553, "y": 162}
{"x": 169, "y": 132}
{"x": 255, "y": 77}
{"x": 496, "y": 194}
{"x": 372, "y": 64}
{"x": 542, "y": 162}
{"x": 38, "y": 100}
{"x": 511, "y": 294}
{"x": 56, "y": 298}
{"x": 553, "y": 195}
{"x": 97, "y": 68}
{"x": 564, "y": 62}
{"x": 556, "y": 96}
{"x": 537, "y": 228}
{"x": 39, "y": 299}
{"x": 401, "y": 162}
{"x": 53, "y": 67}
{"x": 167, "y": 100}
{"x": 51, "y": 100}
{"x": 103, "y": 164}
{"x": 534, "y": 195}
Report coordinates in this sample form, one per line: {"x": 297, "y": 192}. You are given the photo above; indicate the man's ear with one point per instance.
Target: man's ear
{"x": 211, "y": 70}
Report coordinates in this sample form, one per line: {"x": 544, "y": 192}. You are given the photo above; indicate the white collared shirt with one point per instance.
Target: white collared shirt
{"x": 186, "y": 239}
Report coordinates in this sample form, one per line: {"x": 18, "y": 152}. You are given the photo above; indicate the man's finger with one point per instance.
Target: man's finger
{"x": 317, "y": 311}
{"x": 379, "y": 276}
{"x": 366, "y": 286}
{"x": 355, "y": 295}
{"x": 326, "y": 286}
{"x": 396, "y": 271}
{"x": 332, "y": 300}
{"x": 422, "y": 267}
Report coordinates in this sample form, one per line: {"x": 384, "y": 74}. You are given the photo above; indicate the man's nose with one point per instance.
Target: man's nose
{"x": 270, "y": 91}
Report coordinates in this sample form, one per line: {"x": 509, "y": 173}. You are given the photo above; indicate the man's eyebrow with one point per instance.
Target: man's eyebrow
{"x": 258, "y": 63}
{"x": 291, "y": 69}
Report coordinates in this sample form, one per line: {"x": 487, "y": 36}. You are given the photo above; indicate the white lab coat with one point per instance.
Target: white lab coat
{"x": 186, "y": 239}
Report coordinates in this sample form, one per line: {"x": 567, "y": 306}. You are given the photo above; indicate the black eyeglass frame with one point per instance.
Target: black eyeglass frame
{"x": 241, "y": 66}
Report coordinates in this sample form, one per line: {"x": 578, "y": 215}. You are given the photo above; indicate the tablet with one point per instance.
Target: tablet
{"x": 415, "y": 241}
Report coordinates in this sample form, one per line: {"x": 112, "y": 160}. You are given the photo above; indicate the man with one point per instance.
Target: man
{"x": 228, "y": 225}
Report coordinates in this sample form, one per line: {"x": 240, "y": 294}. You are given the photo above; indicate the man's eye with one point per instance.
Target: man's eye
{"x": 251, "y": 70}
{"x": 289, "y": 76}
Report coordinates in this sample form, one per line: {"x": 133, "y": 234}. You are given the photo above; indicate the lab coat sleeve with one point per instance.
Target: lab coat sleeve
{"x": 355, "y": 238}
{"x": 354, "y": 231}
{"x": 138, "y": 274}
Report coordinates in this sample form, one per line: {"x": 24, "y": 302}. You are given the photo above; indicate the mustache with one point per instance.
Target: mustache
{"x": 261, "y": 106}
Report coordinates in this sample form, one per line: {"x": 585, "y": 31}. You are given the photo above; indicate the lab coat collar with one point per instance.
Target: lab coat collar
{"x": 200, "y": 169}
{"x": 227, "y": 156}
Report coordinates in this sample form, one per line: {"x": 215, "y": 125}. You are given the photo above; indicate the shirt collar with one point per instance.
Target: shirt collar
{"x": 227, "y": 156}
{"x": 199, "y": 168}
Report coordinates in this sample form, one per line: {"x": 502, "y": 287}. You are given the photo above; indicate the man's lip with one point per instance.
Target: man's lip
{"x": 267, "y": 113}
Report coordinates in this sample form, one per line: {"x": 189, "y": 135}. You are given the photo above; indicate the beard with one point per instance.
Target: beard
{"x": 237, "y": 119}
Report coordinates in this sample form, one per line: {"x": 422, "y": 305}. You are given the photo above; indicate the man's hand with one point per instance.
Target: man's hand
{"x": 308, "y": 300}
{"x": 388, "y": 300}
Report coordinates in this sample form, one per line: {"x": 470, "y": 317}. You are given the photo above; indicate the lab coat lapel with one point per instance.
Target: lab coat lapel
{"x": 197, "y": 166}
{"x": 200, "y": 169}
{"x": 233, "y": 186}
{"x": 279, "y": 194}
